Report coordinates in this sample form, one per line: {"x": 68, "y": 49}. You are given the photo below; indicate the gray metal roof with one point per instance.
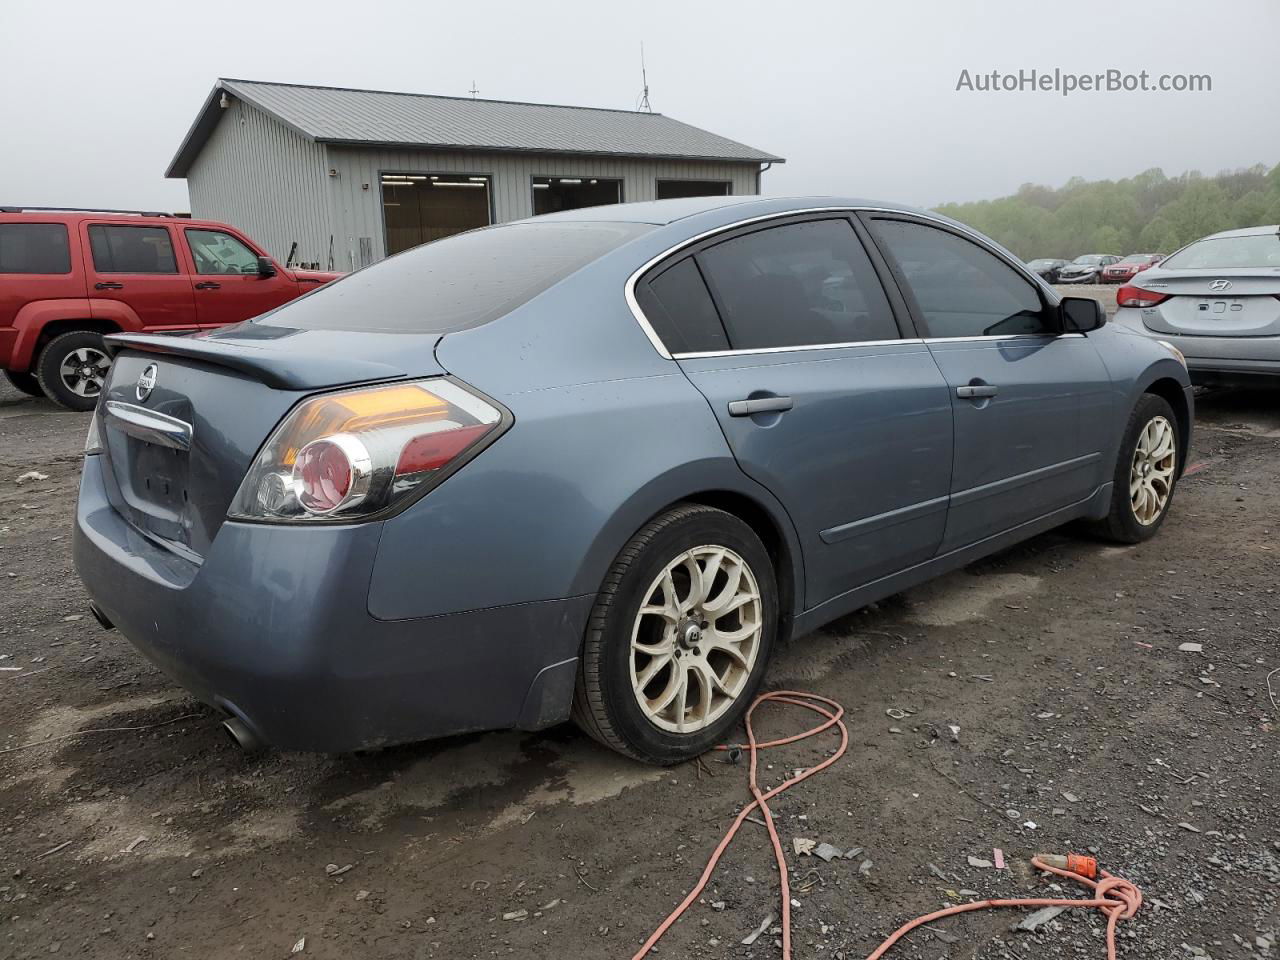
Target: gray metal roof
{"x": 373, "y": 117}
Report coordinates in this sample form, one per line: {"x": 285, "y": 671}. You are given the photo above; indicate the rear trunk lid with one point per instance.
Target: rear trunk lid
{"x": 1211, "y": 303}
{"x": 178, "y": 451}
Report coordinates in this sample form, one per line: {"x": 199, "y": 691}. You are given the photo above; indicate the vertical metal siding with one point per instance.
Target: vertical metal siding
{"x": 258, "y": 175}
{"x": 357, "y": 195}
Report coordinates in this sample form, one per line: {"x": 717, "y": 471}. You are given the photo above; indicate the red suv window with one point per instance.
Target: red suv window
{"x": 129, "y": 249}
{"x": 34, "y": 248}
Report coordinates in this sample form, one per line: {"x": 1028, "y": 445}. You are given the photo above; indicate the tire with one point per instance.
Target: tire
{"x": 79, "y": 349}
{"x": 25, "y": 382}
{"x": 1132, "y": 518}
{"x": 606, "y": 704}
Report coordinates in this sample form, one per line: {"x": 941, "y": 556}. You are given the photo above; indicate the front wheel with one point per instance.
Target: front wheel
{"x": 1146, "y": 473}
{"x": 72, "y": 369}
{"x": 679, "y": 637}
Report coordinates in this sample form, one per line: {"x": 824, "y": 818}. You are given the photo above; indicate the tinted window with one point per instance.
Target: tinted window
{"x": 961, "y": 289}
{"x": 679, "y": 309}
{"x": 458, "y": 282}
{"x": 34, "y": 248}
{"x": 124, "y": 249}
{"x": 216, "y": 252}
{"x": 802, "y": 284}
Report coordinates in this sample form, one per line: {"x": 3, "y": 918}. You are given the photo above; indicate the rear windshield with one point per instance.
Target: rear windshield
{"x": 34, "y": 248}
{"x": 1223, "y": 253}
{"x": 458, "y": 282}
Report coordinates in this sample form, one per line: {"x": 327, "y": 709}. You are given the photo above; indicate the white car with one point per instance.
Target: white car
{"x": 1218, "y": 301}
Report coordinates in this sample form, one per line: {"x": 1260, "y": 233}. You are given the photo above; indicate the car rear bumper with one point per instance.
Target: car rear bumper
{"x": 1207, "y": 356}
{"x": 1212, "y": 371}
{"x": 274, "y": 627}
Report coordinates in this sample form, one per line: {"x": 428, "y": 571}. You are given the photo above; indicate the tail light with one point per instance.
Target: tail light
{"x": 347, "y": 455}
{"x": 1128, "y": 296}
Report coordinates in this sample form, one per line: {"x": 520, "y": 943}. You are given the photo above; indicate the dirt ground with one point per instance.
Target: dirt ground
{"x": 130, "y": 827}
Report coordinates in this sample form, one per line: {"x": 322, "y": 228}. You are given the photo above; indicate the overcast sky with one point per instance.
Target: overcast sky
{"x": 860, "y": 97}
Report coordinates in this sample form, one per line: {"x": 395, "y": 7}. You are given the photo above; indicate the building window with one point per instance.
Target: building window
{"x": 672, "y": 189}
{"x": 420, "y": 207}
{"x": 570, "y": 193}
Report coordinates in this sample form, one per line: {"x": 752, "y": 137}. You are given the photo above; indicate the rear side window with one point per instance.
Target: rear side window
{"x": 961, "y": 289}
{"x": 797, "y": 285}
{"x": 34, "y": 248}
{"x": 679, "y": 309}
{"x": 459, "y": 282}
{"x": 128, "y": 249}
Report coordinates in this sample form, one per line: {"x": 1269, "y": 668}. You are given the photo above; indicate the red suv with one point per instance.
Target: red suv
{"x": 67, "y": 277}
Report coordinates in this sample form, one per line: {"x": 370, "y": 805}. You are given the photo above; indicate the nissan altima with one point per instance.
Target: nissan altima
{"x": 1218, "y": 301}
{"x": 599, "y": 464}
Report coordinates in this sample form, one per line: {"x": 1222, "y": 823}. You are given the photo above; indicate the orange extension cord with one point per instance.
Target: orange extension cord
{"x": 1116, "y": 897}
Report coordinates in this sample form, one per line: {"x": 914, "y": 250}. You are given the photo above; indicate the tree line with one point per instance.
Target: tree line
{"x": 1149, "y": 213}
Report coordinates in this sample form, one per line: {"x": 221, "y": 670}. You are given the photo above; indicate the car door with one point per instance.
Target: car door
{"x": 787, "y": 331}
{"x": 1025, "y": 393}
{"x": 226, "y": 281}
{"x": 134, "y": 265}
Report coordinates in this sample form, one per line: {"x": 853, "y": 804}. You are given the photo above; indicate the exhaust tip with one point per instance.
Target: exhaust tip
{"x": 241, "y": 735}
{"x": 101, "y": 617}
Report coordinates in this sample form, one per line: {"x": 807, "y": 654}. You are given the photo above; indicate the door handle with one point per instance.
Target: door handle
{"x": 749, "y": 408}
{"x": 108, "y": 285}
{"x": 208, "y": 285}
{"x": 974, "y": 391}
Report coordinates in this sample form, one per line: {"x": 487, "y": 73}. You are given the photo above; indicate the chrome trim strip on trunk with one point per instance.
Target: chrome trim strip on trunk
{"x": 157, "y": 428}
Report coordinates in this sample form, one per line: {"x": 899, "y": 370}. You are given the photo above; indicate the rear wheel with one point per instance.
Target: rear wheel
{"x": 679, "y": 637}
{"x": 72, "y": 369}
{"x": 1146, "y": 473}
{"x": 25, "y": 382}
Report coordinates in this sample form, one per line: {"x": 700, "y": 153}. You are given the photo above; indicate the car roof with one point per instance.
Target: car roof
{"x": 48, "y": 215}
{"x": 1245, "y": 232}
{"x": 663, "y": 212}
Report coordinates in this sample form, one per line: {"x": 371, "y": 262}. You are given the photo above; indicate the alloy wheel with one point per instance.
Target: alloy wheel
{"x": 695, "y": 639}
{"x": 1151, "y": 473}
{"x": 83, "y": 371}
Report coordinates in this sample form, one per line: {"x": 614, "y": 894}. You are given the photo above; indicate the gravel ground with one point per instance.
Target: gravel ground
{"x": 136, "y": 830}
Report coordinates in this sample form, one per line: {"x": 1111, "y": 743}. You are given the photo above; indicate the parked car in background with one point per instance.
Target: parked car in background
{"x": 1218, "y": 301}
{"x": 1087, "y": 268}
{"x": 401, "y": 479}
{"x": 67, "y": 277}
{"x": 1046, "y": 269}
{"x": 1130, "y": 266}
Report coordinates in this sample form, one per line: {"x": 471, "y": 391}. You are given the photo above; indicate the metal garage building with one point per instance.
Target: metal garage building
{"x": 351, "y": 176}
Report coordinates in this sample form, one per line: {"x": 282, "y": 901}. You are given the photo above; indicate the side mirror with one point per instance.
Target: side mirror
{"x": 266, "y": 268}
{"x": 1081, "y": 314}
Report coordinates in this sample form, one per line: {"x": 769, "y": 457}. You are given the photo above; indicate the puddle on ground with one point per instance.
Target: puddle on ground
{"x": 581, "y": 772}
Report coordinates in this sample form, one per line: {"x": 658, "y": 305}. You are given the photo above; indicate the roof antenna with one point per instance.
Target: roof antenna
{"x": 644, "y": 76}
{"x": 473, "y": 91}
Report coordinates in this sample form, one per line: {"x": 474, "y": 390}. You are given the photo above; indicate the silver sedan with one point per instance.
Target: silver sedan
{"x": 1218, "y": 301}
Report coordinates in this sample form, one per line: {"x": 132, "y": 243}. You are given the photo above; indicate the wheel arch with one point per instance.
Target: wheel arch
{"x": 39, "y": 322}
{"x": 1173, "y": 393}
{"x": 730, "y": 490}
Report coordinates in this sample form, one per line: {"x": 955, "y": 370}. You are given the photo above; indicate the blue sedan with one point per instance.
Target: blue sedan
{"x": 599, "y": 464}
